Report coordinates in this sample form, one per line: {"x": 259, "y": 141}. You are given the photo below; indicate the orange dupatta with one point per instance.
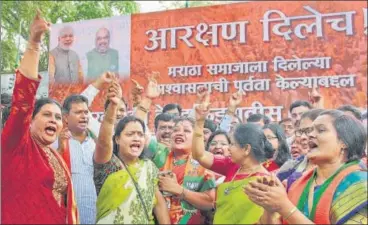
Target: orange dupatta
{"x": 324, "y": 205}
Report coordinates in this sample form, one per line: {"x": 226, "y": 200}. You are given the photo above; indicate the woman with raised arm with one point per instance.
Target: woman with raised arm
{"x": 188, "y": 187}
{"x": 243, "y": 165}
{"x": 36, "y": 184}
{"x": 126, "y": 183}
{"x": 334, "y": 192}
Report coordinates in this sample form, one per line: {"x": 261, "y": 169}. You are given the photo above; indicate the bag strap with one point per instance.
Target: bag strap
{"x": 139, "y": 193}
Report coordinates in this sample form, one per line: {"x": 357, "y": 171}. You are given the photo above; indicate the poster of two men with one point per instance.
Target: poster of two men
{"x": 82, "y": 51}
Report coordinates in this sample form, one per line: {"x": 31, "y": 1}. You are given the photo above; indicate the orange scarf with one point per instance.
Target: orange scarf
{"x": 181, "y": 212}
{"x": 324, "y": 205}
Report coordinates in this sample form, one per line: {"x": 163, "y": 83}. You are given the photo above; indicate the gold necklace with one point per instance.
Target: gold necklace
{"x": 229, "y": 189}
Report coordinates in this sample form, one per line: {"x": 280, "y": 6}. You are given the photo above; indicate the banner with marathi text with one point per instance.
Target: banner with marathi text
{"x": 275, "y": 52}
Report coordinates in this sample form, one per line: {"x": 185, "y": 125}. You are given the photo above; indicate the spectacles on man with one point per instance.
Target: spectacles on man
{"x": 302, "y": 131}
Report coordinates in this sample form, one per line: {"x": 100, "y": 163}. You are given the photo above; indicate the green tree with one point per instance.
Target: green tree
{"x": 182, "y": 4}
{"x": 17, "y": 15}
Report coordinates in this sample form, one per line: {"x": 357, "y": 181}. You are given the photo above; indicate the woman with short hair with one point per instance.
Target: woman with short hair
{"x": 243, "y": 165}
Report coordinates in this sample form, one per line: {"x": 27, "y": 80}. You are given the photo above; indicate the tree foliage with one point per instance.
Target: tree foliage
{"x": 182, "y": 4}
{"x": 17, "y": 15}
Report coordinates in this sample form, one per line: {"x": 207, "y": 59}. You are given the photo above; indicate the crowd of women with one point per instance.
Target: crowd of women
{"x": 310, "y": 169}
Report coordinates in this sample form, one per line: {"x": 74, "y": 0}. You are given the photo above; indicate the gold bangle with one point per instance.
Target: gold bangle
{"x": 182, "y": 195}
{"x": 196, "y": 134}
{"x": 292, "y": 211}
{"x": 33, "y": 46}
{"x": 142, "y": 109}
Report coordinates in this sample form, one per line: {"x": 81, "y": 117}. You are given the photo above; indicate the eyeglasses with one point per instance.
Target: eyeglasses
{"x": 302, "y": 131}
{"x": 271, "y": 138}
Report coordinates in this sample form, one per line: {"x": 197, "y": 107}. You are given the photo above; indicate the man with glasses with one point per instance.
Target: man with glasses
{"x": 289, "y": 129}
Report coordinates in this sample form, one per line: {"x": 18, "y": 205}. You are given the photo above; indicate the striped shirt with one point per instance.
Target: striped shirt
{"x": 81, "y": 162}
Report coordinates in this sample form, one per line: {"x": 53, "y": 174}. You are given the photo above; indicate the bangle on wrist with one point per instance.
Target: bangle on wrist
{"x": 33, "y": 46}
{"x": 198, "y": 134}
{"x": 292, "y": 211}
{"x": 200, "y": 122}
{"x": 182, "y": 194}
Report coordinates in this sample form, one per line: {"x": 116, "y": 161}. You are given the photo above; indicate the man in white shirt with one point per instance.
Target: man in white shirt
{"x": 80, "y": 135}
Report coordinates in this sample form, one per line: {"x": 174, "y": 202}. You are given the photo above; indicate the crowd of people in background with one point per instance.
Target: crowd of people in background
{"x": 62, "y": 166}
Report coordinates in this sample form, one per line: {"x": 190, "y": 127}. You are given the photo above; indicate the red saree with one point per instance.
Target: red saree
{"x": 27, "y": 177}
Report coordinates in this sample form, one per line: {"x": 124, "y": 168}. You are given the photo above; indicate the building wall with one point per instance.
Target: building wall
{"x": 8, "y": 81}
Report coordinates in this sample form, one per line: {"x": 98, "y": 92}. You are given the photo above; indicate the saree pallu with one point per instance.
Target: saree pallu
{"x": 118, "y": 201}
{"x": 344, "y": 201}
{"x": 192, "y": 177}
{"x": 233, "y": 205}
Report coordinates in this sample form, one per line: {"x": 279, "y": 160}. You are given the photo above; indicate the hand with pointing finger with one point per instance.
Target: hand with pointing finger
{"x": 203, "y": 109}
{"x": 38, "y": 28}
{"x": 114, "y": 93}
{"x": 236, "y": 99}
{"x": 137, "y": 92}
{"x": 234, "y": 102}
{"x": 152, "y": 88}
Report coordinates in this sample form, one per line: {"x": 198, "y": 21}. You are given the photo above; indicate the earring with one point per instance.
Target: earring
{"x": 343, "y": 150}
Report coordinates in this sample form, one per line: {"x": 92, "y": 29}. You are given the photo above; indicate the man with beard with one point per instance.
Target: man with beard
{"x": 64, "y": 63}
{"x": 164, "y": 124}
{"x": 102, "y": 58}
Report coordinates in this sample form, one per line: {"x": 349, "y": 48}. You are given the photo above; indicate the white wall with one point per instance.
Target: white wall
{"x": 8, "y": 80}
